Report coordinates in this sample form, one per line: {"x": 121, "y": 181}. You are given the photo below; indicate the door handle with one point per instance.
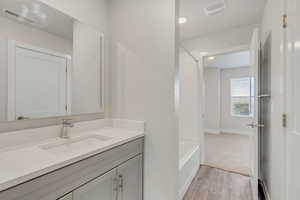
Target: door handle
{"x": 263, "y": 96}
{"x": 254, "y": 125}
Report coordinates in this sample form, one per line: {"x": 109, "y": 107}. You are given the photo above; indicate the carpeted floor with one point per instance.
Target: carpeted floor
{"x": 230, "y": 152}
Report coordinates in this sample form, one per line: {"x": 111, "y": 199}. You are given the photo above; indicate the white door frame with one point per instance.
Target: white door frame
{"x": 11, "y": 82}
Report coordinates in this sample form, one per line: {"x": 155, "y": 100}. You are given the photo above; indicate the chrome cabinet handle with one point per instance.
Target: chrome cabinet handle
{"x": 254, "y": 125}
{"x": 121, "y": 182}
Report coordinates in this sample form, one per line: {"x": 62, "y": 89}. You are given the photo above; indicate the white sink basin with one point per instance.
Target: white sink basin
{"x": 75, "y": 145}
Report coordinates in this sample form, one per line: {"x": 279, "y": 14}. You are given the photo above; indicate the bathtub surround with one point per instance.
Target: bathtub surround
{"x": 189, "y": 163}
{"x": 190, "y": 120}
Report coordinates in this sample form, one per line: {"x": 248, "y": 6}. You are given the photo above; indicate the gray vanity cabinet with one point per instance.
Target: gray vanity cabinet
{"x": 122, "y": 183}
{"x": 116, "y": 174}
{"x": 130, "y": 180}
{"x": 102, "y": 188}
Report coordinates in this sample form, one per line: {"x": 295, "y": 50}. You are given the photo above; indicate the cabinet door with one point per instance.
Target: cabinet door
{"x": 131, "y": 179}
{"x": 67, "y": 197}
{"x": 102, "y": 188}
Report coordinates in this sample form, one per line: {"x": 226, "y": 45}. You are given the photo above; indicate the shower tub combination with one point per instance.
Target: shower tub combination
{"x": 189, "y": 163}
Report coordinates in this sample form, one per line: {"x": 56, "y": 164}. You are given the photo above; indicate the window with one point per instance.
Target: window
{"x": 242, "y": 97}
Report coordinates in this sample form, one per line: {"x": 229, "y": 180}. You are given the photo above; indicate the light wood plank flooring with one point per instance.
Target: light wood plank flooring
{"x": 216, "y": 184}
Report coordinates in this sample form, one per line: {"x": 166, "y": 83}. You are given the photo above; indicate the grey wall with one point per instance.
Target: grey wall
{"x": 142, "y": 77}
{"x": 228, "y": 122}
{"x": 221, "y": 40}
{"x": 189, "y": 98}
{"x": 212, "y": 78}
{"x": 218, "y": 116}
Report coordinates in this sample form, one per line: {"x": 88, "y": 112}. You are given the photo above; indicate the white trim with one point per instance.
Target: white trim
{"x": 225, "y": 51}
{"x": 69, "y": 85}
{"x": 102, "y": 75}
{"x": 212, "y": 131}
{"x": 11, "y": 74}
{"x": 11, "y": 80}
{"x": 233, "y": 131}
{"x": 187, "y": 184}
{"x": 227, "y": 131}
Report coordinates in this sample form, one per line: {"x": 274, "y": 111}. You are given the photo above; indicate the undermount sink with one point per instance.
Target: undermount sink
{"x": 74, "y": 145}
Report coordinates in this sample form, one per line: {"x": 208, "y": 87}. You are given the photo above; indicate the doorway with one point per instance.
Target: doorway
{"x": 229, "y": 107}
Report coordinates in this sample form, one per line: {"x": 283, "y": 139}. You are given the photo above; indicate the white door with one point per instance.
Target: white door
{"x": 254, "y": 68}
{"x": 102, "y": 188}
{"x": 40, "y": 84}
{"x": 292, "y": 101}
{"x": 131, "y": 180}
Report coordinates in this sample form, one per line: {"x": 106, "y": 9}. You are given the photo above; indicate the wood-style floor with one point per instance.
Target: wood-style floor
{"x": 215, "y": 184}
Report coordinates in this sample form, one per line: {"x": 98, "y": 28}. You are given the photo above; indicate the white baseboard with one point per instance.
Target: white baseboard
{"x": 233, "y": 131}
{"x": 212, "y": 131}
{"x": 187, "y": 184}
{"x": 229, "y": 131}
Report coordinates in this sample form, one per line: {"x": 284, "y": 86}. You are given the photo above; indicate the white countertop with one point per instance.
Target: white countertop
{"x": 21, "y": 163}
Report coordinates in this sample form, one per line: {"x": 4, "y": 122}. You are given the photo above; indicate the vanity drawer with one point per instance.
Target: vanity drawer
{"x": 56, "y": 184}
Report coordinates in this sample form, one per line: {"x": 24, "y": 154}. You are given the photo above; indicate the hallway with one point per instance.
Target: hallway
{"x": 230, "y": 152}
{"x": 215, "y": 184}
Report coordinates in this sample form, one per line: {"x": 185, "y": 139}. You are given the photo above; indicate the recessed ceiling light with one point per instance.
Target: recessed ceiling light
{"x": 211, "y": 58}
{"x": 182, "y": 20}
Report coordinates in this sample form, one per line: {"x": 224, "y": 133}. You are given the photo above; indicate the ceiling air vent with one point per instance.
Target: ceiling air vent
{"x": 215, "y": 7}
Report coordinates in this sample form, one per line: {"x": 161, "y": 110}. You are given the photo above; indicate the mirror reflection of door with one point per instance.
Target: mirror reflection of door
{"x": 40, "y": 83}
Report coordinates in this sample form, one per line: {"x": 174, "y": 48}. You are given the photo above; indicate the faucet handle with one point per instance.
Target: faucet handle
{"x": 66, "y": 120}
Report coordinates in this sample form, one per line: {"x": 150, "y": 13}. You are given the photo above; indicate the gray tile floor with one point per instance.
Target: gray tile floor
{"x": 215, "y": 184}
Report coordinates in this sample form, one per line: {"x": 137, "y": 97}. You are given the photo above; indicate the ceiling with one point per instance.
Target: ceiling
{"x": 237, "y": 13}
{"x": 229, "y": 60}
{"x": 42, "y": 16}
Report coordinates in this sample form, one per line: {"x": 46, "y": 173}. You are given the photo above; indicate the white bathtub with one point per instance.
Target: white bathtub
{"x": 189, "y": 163}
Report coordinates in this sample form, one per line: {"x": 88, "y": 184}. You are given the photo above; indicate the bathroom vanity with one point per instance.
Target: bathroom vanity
{"x": 102, "y": 159}
{"x": 52, "y": 74}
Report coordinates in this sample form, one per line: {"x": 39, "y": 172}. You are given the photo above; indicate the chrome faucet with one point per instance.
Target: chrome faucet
{"x": 66, "y": 124}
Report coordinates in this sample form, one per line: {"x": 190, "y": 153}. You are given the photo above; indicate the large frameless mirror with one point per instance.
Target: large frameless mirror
{"x": 50, "y": 64}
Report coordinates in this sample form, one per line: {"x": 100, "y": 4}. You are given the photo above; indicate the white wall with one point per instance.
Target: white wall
{"x": 221, "y": 40}
{"x": 143, "y": 70}
{"x": 212, "y": 78}
{"x": 189, "y": 98}
{"x": 272, "y": 23}
{"x": 228, "y": 122}
{"x": 218, "y": 116}
{"x": 11, "y": 30}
